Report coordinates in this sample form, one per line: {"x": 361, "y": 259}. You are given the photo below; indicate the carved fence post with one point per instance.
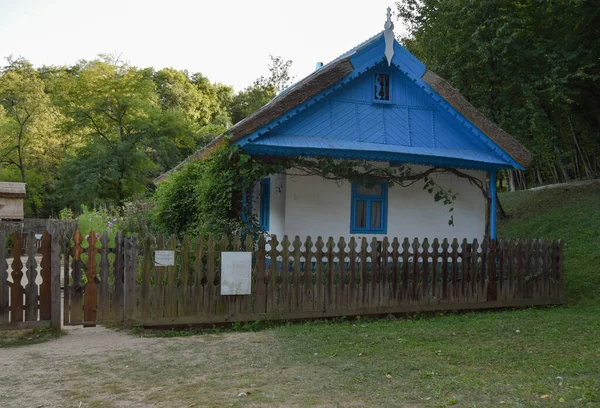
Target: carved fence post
{"x": 56, "y": 310}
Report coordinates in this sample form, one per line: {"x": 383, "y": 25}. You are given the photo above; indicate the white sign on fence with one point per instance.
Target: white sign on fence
{"x": 164, "y": 258}
{"x": 236, "y": 273}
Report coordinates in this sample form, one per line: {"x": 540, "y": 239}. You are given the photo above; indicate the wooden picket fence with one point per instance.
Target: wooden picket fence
{"x": 25, "y": 280}
{"x": 118, "y": 281}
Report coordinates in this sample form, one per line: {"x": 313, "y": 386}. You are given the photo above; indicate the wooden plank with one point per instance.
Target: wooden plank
{"x": 483, "y": 276}
{"x": 16, "y": 292}
{"x": 545, "y": 269}
{"x": 185, "y": 304}
{"x": 474, "y": 258}
{"x": 26, "y": 325}
{"x": 560, "y": 271}
{"x": 425, "y": 285}
{"x": 104, "y": 292}
{"x": 414, "y": 291}
{"x": 395, "y": 272}
{"x": 307, "y": 282}
{"x": 46, "y": 286}
{"x": 199, "y": 281}
{"x": 63, "y": 244}
{"x": 211, "y": 274}
{"x": 131, "y": 277}
{"x": 364, "y": 274}
{"x": 76, "y": 287}
{"x": 445, "y": 271}
{"x": 330, "y": 289}
{"x": 221, "y": 302}
{"x": 374, "y": 275}
{"x": 118, "y": 291}
{"x": 384, "y": 273}
{"x": 158, "y": 295}
{"x": 435, "y": 247}
{"x": 341, "y": 292}
{"x": 464, "y": 270}
{"x": 31, "y": 289}
{"x": 296, "y": 299}
{"x": 171, "y": 287}
{"x": 454, "y": 292}
{"x": 492, "y": 289}
{"x": 274, "y": 278}
{"x": 405, "y": 292}
{"x": 4, "y": 312}
{"x": 501, "y": 271}
{"x": 319, "y": 298}
{"x": 248, "y": 302}
{"x": 145, "y": 300}
{"x": 352, "y": 274}
{"x": 90, "y": 295}
{"x": 284, "y": 291}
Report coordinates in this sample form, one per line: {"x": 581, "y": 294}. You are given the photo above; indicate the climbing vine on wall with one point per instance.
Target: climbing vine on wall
{"x": 207, "y": 196}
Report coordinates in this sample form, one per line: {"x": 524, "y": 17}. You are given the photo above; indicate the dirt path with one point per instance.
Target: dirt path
{"x": 98, "y": 367}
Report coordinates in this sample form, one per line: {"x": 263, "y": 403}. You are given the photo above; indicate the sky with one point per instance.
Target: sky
{"x": 227, "y": 41}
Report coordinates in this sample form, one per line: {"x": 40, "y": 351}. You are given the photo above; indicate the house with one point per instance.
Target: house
{"x": 377, "y": 102}
{"x": 11, "y": 201}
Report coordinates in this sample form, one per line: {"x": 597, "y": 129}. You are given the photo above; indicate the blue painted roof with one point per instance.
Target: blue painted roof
{"x": 415, "y": 124}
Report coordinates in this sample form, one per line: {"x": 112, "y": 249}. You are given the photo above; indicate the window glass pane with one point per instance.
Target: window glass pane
{"x": 376, "y": 214}
{"x": 373, "y": 191}
{"x": 361, "y": 214}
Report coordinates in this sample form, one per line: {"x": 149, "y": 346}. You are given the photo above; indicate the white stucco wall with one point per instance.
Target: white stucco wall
{"x": 302, "y": 205}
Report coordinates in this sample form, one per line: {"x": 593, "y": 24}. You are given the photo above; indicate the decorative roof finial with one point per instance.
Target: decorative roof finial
{"x": 388, "y": 34}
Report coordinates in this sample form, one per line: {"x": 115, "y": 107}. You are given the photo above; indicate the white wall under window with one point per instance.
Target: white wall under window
{"x": 310, "y": 205}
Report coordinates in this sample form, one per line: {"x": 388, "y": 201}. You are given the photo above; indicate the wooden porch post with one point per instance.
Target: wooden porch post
{"x": 493, "y": 204}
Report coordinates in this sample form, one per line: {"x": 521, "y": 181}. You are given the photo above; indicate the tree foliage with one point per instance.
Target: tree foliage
{"x": 97, "y": 133}
{"x": 531, "y": 66}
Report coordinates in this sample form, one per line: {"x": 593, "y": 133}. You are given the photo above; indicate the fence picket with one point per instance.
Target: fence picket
{"x": 434, "y": 270}
{"x": 319, "y": 299}
{"x": 16, "y": 292}
{"x": 90, "y": 292}
{"x": 4, "y": 315}
{"x": 364, "y": 284}
{"x": 414, "y": 291}
{"x": 274, "y": 277}
{"x": 104, "y": 292}
{"x": 76, "y": 288}
{"x": 425, "y": 295}
{"x": 185, "y": 302}
{"x": 31, "y": 289}
{"x": 352, "y": 275}
{"x": 117, "y": 294}
{"x": 405, "y": 264}
{"x": 146, "y": 275}
{"x": 374, "y": 278}
{"x": 341, "y": 294}
{"x": 308, "y": 286}
{"x": 384, "y": 267}
{"x": 296, "y": 299}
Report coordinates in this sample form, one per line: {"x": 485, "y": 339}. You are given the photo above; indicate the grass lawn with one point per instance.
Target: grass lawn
{"x": 16, "y": 338}
{"x": 521, "y": 358}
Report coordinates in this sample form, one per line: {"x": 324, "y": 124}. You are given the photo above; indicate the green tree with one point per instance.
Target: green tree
{"x": 29, "y": 146}
{"x": 262, "y": 90}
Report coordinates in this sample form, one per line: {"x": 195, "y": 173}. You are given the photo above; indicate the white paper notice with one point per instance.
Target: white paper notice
{"x": 236, "y": 273}
{"x": 164, "y": 258}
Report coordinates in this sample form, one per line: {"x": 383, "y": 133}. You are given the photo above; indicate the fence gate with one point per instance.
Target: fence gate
{"x": 93, "y": 271}
{"x": 25, "y": 280}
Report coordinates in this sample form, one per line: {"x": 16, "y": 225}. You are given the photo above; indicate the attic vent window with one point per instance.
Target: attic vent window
{"x": 382, "y": 87}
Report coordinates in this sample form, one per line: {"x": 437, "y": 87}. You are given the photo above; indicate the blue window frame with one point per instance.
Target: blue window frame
{"x": 265, "y": 204}
{"x": 368, "y": 209}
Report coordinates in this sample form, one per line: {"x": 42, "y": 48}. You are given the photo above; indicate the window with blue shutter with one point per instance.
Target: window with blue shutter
{"x": 368, "y": 210}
